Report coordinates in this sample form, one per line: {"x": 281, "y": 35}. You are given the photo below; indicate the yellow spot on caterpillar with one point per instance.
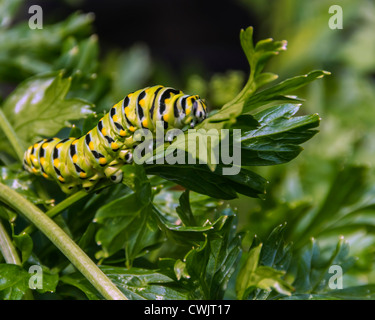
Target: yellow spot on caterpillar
{"x": 167, "y": 101}
{"x": 82, "y": 175}
{"x": 44, "y": 175}
{"x": 142, "y": 103}
{"x": 166, "y": 117}
{"x": 145, "y": 123}
{"x": 61, "y": 178}
{"x": 127, "y": 111}
{"x": 75, "y": 142}
{"x": 102, "y": 160}
{"x": 35, "y": 146}
{"x": 91, "y": 145}
{"x": 56, "y": 162}
{"x": 122, "y": 133}
{"x": 59, "y": 145}
{"x": 45, "y": 145}
{"x": 75, "y": 158}
{"x": 33, "y": 158}
{"x": 42, "y": 161}
{"x": 34, "y": 170}
{"x": 115, "y": 118}
{"x": 114, "y": 146}
{"x": 188, "y": 111}
{"x": 131, "y": 128}
{"x": 104, "y": 132}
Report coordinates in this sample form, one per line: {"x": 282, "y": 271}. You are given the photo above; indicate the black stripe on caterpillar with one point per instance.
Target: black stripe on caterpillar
{"x": 81, "y": 162}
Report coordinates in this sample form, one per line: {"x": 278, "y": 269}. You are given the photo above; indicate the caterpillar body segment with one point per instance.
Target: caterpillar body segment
{"x": 81, "y": 162}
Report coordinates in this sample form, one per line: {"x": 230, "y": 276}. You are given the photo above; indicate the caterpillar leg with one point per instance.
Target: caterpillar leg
{"x": 69, "y": 188}
{"x": 126, "y": 156}
{"x": 90, "y": 183}
{"x": 114, "y": 172}
{"x": 88, "y": 186}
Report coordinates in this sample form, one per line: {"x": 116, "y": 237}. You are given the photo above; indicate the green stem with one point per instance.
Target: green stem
{"x": 7, "y": 248}
{"x": 63, "y": 242}
{"x": 10, "y": 254}
{"x": 58, "y": 209}
{"x": 54, "y": 211}
{"x": 11, "y": 135}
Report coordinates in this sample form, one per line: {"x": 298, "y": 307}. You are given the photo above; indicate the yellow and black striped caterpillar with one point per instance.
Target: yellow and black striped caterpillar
{"x": 82, "y": 162}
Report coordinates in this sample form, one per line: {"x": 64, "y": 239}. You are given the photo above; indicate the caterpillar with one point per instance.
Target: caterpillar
{"x": 77, "y": 163}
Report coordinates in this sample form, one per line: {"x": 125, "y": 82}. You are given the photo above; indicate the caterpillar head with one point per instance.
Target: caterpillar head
{"x": 196, "y": 110}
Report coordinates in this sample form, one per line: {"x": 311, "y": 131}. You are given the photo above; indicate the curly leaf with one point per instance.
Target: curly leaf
{"x": 213, "y": 184}
{"x": 13, "y": 282}
{"x": 279, "y": 91}
{"x": 253, "y": 276}
{"x": 210, "y": 265}
{"x": 312, "y": 266}
{"x": 38, "y": 108}
{"x": 135, "y": 283}
{"x": 128, "y": 222}
{"x": 257, "y": 57}
{"x": 187, "y": 234}
{"x": 278, "y": 137}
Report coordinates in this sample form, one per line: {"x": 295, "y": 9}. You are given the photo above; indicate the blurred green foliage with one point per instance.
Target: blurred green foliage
{"x": 172, "y": 243}
{"x": 328, "y": 191}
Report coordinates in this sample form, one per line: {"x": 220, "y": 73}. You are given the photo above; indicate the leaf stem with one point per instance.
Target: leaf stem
{"x": 7, "y": 248}
{"x": 54, "y": 211}
{"x": 11, "y": 135}
{"x": 63, "y": 242}
{"x": 10, "y": 254}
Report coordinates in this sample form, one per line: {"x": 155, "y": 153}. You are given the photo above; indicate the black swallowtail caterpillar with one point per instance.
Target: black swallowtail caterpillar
{"x": 81, "y": 162}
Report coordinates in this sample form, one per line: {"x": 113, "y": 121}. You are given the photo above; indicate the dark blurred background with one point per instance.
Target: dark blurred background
{"x": 179, "y": 33}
